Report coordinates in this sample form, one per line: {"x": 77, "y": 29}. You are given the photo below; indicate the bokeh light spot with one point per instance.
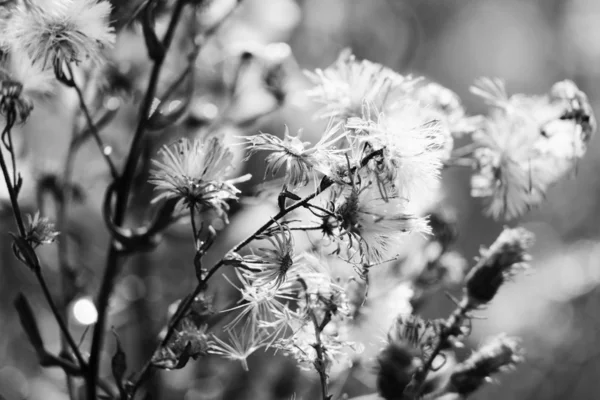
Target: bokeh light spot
{"x": 85, "y": 311}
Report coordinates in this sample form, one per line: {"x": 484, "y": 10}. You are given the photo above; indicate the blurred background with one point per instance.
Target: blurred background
{"x": 529, "y": 43}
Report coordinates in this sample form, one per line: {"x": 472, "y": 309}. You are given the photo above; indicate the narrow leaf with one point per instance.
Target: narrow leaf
{"x": 29, "y": 324}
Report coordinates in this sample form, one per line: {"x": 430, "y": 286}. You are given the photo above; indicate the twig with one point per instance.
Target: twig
{"x": 93, "y": 129}
{"x": 124, "y": 184}
{"x": 61, "y": 323}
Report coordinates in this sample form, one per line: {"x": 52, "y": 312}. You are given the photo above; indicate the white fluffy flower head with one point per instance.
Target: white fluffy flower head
{"x": 527, "y": 144}
{"x": 194, "y": 172}
{"x": 343, "y": 87}
{"x": 54, "y": 32}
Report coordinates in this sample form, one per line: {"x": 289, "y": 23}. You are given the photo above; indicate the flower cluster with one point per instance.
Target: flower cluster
{"x": 384, "y": 147}
{"x": 371, "y": 223}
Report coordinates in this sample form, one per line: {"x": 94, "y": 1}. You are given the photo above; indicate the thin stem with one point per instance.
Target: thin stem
{"x": 61, "y": 323}
{"x": 124, "y": 184}
{"x": 12, "y": 158}
{"x": 11, "y": 190}
{"x": 320, "y": 363}
{"x": 92, "y": 127}
{"x": 194, "y": 229}
{"x": 62, "y": 218}
{"x": 306, "y": 228}
{"x": 63, "y": 250}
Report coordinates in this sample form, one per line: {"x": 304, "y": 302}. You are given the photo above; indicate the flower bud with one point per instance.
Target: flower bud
{"x": 12, "y": 103}
{"x": 397, "y": 364}
{"x": 497, "y": 264}
{"x": 497, "y": 355}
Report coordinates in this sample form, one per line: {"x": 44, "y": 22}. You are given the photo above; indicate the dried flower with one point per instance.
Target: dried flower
{"x": 577, "y": 107}
{"x": 396, "y": 365}
{"x": 274, "y": 264}
{"x": 301, "y": 163}
{"x": 20, "y": 81}
{"x": 39, "y": 230}
{"x": 413, "y": 331}
{"x": 301, "y": 346}
{"x": 260, "y": 303}
{"x": 323, "y": 293}
{"x": 192, "y": 337}
{"x": 194, "y": 172}
{"x": 57, "y": 32}
{"x": 499, "y": 354}
{"x": 410, "y": 144}
{"x": 240, "y": 346}
{"x": 527, "y": 144}
{"x": 346, "y": 85}
{"x": 372, "y": 224}
{"x": 411, "y": 341}
{"x": 445, "y": 106}
{"x": 497, "y": 264}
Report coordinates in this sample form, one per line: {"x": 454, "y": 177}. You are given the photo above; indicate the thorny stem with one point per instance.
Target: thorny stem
{"x": 201, "y": 285}
{"x": 124, "y": 184}
{"x": 93, "y": 129}
{"x": 450, "y": 328}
